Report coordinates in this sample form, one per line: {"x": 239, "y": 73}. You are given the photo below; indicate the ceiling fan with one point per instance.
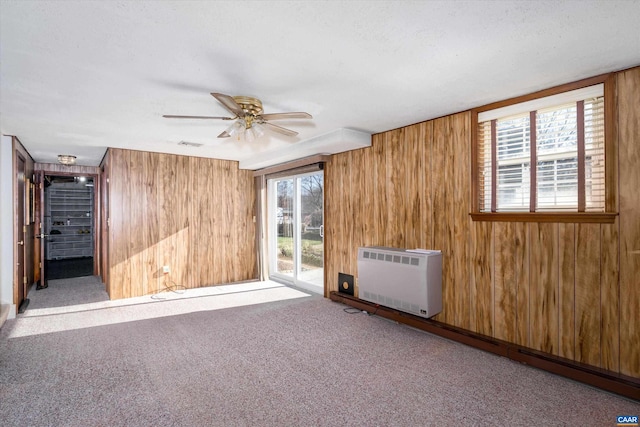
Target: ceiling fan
{"x": 248, "y": 116}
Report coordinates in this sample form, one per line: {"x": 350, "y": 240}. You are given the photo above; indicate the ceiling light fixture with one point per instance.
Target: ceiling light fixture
{"x": 248, "y": 126}
{"x": 66, "y": 159}
{"x": 241, "y": 130}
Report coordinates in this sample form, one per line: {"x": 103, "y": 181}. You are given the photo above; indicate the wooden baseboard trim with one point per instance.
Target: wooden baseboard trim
{"x": 601, "y": 378}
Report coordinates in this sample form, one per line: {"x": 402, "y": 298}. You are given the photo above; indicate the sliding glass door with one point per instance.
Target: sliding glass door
{"x": 296, "y": 228}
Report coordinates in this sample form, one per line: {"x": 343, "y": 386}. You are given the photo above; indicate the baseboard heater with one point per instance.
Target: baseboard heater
{"x": 406, "y": 280}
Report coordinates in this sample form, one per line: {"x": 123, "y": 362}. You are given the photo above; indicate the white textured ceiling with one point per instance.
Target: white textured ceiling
{"x": 79, "y": 76}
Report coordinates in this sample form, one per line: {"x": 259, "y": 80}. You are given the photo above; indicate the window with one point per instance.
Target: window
{"x": 543, "y": 155}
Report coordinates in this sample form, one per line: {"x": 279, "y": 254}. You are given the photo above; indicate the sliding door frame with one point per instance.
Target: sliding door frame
{"x": 272, "y": 231}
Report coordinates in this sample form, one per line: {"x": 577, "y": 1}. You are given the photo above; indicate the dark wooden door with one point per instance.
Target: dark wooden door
{"x": 20, "y": 287}
{"x": 40, "y": 229}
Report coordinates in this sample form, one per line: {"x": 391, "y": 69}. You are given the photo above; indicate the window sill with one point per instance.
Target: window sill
{"x": 570, "y": 217}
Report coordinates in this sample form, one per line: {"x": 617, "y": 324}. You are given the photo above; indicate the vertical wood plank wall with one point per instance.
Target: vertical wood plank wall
{"x": 571, "y": 290}
{"x": 193, "y": 214}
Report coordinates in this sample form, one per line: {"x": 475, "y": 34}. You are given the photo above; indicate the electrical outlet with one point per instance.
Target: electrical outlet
{"x": 165, "y": 269}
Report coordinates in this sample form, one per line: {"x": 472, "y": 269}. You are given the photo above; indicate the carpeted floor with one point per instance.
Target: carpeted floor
{"x": 264, "y": 355}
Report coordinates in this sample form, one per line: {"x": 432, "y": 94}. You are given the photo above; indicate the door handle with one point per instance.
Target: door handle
{"x": 41, "y": 236}
{"x": 21, "y": 243}
{"x": 322, "y": 230}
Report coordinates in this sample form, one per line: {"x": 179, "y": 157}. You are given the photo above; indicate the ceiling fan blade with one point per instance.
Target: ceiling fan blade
{"x": 172, "y": 116}
{"x": 280, "y": 129}
{"x": 224, "y": 134}
{"x": 229, "y": 103}
{"x": 280, "y": 116}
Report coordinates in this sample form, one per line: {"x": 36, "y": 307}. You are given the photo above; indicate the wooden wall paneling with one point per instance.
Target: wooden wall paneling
{"x": 164, "y": 212}
{"x": 567, "y": 288}
{"x": 227, "y": 201}
{"x": 413, "y": 146}
{"x": 543, "y": 298}
{"x": 448, "y": 181}
{"x": 184, "y": 200}
{"x": 217, "y": 215}
{"x": 347, "y": 198}
{"x": 226, "y": 215}
{"x": 136, "y": 219}
{"x": 506, "y": 281}
{"x": 119, "y": 276}
{"x": 461, "y": 198}
{"x": 236, "y": 206}
{"x": 588, "y": 316}
{"x": 440, "y": 213}
{"x": 396, "y": 189}
{"x": 243, "y": 219}
{"x": 247, "y": 263}
{"x": 167, "y": 221}
{"x": 233, "y": 205}
{"x": 333, "y": 221}
{"x": 341, "y": 208}
{"x": 203, "y": 222}
{"x": 426, "y": 170}
{"x": 522, "y": 258}
{"x": 134, "y": 214}
{"x": 610, "y": 297}
{"x": 151, "y": 272}
{"x": 365, "y": 176}
{"x": 628, "y": 86}
{"x": 114, "y": 230}
{"x": 125, "y": 175}
{"x": 379, "y": 186}
{"x": 481, "y": 291}
{"x": 194, "y": 214}
{"x": 358, "y": 217}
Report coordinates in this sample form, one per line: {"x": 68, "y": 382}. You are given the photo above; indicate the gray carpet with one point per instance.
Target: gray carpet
{"x": 274, "y": 357}
{"x": 66, "y": 292}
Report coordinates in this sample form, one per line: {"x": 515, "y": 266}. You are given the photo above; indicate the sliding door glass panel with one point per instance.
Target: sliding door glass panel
{"x": 296, "y": 221}
{"x": 284, "y": 226}
{"x": 311, "y": 227}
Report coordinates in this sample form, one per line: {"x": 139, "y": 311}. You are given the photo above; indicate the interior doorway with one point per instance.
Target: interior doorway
{"x": 296, "y": 224}
{"x": 68, "y": 226}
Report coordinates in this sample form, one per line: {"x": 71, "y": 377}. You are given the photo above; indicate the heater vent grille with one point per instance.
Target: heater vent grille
{"x": 385, "y": 257}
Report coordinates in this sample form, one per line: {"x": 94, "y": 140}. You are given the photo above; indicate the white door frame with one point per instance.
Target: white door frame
{"x": 273, "y": 233}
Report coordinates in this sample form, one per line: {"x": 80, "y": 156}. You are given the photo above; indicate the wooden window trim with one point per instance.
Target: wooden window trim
{"x": 611, "y": 158}
{"x": 569, "y": 217}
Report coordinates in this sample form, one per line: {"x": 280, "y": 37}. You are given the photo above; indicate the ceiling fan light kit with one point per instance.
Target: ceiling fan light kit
{"x": 249, "y": 121}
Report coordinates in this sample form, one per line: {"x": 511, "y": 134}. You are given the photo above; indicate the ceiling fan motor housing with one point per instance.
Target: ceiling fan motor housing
{"x": 250, "y": 105}
{"x": 252, "y": 108}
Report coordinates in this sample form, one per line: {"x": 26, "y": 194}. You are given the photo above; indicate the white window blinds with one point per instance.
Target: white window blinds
{"x": 549, "y": 158}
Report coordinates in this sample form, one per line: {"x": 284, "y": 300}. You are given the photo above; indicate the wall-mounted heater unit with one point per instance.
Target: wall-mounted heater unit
{"x": 406, "y": 280}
